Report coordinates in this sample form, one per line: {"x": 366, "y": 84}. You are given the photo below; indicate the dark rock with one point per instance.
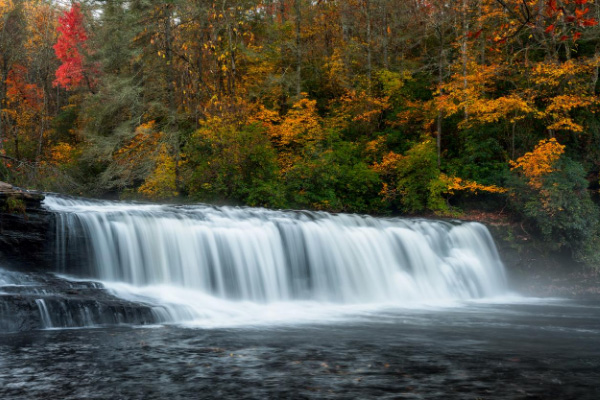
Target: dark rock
{"x": 24, "y": 226}
{"x": 30, "y": 301}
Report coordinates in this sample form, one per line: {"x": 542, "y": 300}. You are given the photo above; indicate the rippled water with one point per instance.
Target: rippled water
{"x": 533, "y": 350}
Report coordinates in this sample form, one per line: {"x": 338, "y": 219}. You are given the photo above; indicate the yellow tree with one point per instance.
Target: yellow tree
{"x": 535, "y": 165}
{"x": 563, "y": 88}
{"x": 137, "y": 158}
{"x": 42, "y": 19}
{"x": 12, "y": 30}
{"x": 23, "y": 105}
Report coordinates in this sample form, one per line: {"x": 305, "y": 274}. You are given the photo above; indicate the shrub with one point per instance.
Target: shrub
{"x": 559, "y": 207}
{"x": 418, "y": 179}
{"x": 233, "y": 163}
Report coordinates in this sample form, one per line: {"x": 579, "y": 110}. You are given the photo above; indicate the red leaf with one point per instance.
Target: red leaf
{"x": 475, "y": 35}
{"x": 550, "y": 28}
{"x": 580, "y": 13}
{"x": 72, "y": 38}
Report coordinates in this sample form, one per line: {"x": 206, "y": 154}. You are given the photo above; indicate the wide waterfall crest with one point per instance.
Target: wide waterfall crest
{"x": 269, "y": 256}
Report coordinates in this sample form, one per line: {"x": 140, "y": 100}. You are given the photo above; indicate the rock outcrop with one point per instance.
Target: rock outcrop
{"x": 37, "y": 300}
{"x": 24, "y": 226}
{"x": 31, "y": 297}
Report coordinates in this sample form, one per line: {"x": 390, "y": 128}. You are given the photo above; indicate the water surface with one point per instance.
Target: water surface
{"x": 529, "y": 350}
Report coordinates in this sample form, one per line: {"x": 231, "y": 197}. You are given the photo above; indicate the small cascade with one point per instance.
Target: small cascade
{"x": 266, "y": 256}
{"x": 31, "y": 301}
{"x": 44, "y": 314}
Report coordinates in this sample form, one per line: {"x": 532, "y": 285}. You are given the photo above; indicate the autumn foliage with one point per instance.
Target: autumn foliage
{"x": 382, "y": 107}
{"x": 540, "y": 162}
{"x": 70, "y": 49}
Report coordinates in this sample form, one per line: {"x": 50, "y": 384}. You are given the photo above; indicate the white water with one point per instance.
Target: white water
{"x": 44, "y": 314}
{"x": 203, "y": 262}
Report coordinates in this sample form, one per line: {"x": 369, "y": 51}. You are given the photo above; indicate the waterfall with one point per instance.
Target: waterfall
{"x": 266, "y": 256}
{"x": 44, "y": 314}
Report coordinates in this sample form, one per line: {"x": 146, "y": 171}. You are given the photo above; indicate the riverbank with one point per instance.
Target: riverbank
{"x": 532, "y": 268}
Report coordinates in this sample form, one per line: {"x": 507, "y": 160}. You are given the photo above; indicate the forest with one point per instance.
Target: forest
{"x": 385, "y": 107}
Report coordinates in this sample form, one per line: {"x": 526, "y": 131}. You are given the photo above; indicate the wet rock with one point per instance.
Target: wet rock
{"x": 24, "y": 226}
{"x": 30, "y": 301}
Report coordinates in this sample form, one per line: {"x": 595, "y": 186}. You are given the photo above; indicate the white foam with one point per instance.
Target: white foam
{"x": 230, "y": 266}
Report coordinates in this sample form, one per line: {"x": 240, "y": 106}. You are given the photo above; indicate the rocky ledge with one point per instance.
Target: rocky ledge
{"x": 24, "y": 225}
{"x": 30, "y": 297}
{"x": 34, "y": 300}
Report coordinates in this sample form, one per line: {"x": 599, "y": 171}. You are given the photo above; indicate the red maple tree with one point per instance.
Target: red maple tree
{"x": 70, "y": 49}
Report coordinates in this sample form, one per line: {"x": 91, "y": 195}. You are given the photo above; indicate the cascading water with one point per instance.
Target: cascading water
{"x": 268, "y": 257}
{"x": 44, "y": 314}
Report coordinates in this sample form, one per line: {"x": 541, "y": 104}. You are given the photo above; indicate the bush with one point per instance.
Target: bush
{"x": 231, "y": 163}
{"x": 560, "y": 209}
{"x": 334, "y": 179}
{"x": 14, "y": 205}
{"x": 418, "y": 180}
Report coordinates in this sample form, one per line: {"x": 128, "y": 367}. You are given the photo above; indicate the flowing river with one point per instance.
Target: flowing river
{"x": 224, "y": 302}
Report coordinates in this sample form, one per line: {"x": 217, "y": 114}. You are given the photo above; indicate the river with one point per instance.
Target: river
{"x": 252, "y": 303}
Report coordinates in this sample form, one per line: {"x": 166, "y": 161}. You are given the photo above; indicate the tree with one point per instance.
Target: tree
{"x": 555, "y": 200}
{"x": 12, "y": 29}
{"x": 71, "y": 49}
{"x": 232, "y": 163}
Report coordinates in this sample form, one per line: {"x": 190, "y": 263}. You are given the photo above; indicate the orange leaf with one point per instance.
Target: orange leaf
{"x": 579, "y": 13}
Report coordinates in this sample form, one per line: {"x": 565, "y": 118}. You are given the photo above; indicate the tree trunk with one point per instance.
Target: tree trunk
{"x": 367, "y": 11}
{"x": 169, "y": 76}
{"x": 440, "y": 82}
{"x": 2, "y": 103}
{"x": 232, "y": 59}
{"x": 282, "y": 56}
{"x": 512, "y": 140}
{"x": 480, "y": 29}
{"x": 464, "y": 47}
{"x": 345, "y": 33}
{"x": 17, "y": 152}
{"x": 439, "y": 139}
{"x": 386, "y": 40}
{"x": 298, "y": 12}
{"x": 596, "y": 72}
{"x": 38, "y": 155}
